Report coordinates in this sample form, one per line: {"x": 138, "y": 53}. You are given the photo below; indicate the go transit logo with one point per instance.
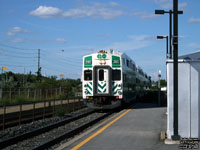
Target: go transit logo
{"x": 101, "y": 56}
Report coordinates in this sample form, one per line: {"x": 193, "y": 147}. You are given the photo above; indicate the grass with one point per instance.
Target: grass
{"x": 15, "y": 101}
{"x": 24, "y": 99}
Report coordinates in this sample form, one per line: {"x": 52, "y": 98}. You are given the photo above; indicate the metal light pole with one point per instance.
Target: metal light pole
{"x": 175, "y": 13}
{"x": 166, "y": 37}
{"x": 175, "y": 69}
{"x": 170, "y": 33}
{"x": 159, "y": 76}
{"x": 170, "y": 12}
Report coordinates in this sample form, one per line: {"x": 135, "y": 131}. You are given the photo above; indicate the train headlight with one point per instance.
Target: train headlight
{"x": 119, "y": 92}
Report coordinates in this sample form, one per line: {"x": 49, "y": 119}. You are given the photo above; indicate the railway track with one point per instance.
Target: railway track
{"x": 39, "y": 131}
{"x": 70, "y": 133}
{"x": 50, "y": 135}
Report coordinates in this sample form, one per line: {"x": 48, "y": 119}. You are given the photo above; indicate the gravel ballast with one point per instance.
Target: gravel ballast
{"x": 37, "y": 140}
{"x": 18, "y": 130}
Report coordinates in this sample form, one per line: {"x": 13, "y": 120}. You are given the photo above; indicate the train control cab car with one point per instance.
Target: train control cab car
{"x": 109, "y": 79}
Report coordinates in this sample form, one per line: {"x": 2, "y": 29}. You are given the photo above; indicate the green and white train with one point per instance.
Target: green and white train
{"x": 110, "y": 79}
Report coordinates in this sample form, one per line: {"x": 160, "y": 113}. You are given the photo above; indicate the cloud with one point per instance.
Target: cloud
{"x": 61, "y": 40}
{"x": 168, "y": 4}
{"x": 182, "y": 5}
{"x": 17, "y": 40}
{"x": 194, "y": 20}
{"x": 114, "y": 4}
{"x": 16, "y": 30}
{"x": 46, "y": 12}
{"x": 103, "y": 35}
{"x": 144, "y": 14}
{"x": 135, "y": 42}
{"x": 96, "y": 10}
{"x": 20, "y": 40}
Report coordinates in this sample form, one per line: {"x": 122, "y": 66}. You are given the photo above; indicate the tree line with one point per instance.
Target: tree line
{"x": 17, "y": 80}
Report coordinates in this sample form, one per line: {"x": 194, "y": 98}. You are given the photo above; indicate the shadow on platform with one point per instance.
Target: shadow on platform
{"x": 145, "y": 106}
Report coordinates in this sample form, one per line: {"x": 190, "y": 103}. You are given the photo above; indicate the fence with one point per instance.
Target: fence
{"x": 20, "y": 95}
{"x": 18, "y": 114}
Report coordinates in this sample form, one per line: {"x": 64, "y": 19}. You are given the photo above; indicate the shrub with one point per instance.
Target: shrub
{"x": 60, "y": 111}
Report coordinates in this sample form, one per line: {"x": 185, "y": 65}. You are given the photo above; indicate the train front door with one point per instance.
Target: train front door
{"x": 102, "y": 81}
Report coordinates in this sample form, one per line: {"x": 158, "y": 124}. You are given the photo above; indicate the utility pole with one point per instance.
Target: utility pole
{"x": 3, "y": 83}
{"x": 39, "y": 68}
{"x": 175, "y": 68}
{"x": 38, "y": 61}
{"x": 24, "y": 75}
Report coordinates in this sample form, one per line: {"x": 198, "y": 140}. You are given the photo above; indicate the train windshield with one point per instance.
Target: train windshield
{"x": 88, "y": 75}
{"x": 116, "y": 75}
{"x": 101, "y": 75}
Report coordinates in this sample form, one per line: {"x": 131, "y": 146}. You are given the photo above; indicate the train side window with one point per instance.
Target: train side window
{"x": 123, "y": 61}
{"x": 127, "y": 63}
{"x": 101, "y": 75}
{"x": 116, "y": 75}
{"x": 124, "y": 78}
{"x": 134, "y": 68}
{"x": 88, "y": 75}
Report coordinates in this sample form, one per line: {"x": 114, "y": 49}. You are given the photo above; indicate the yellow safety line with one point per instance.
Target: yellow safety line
{"x": 99, "y": 131}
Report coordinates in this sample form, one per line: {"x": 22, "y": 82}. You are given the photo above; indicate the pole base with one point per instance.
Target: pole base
{"x": 176, "y": 137}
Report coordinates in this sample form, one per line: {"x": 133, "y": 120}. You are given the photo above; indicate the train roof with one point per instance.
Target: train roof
{"x": 106, "y": 52}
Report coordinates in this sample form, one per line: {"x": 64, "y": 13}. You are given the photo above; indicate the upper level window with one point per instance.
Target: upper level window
{"x": 88, "y": 75}
{"x": 123, "y": 61}
{"x": 127, "y": 63}
{"x": 134, "y": 68}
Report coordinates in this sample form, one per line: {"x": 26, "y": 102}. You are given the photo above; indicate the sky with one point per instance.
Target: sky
{"x": 66, "y": 30}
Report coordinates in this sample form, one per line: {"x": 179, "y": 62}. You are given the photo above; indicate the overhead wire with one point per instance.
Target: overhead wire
{"x": 62, "y": 62}
{"x": 4, "y": 45}
{"x": 19, "y": 65}
{"x": 65, "y": 67}
{"x": 61, "y": 71}
{"x": 17, "y": 56}
{"x": 16, "y": 52}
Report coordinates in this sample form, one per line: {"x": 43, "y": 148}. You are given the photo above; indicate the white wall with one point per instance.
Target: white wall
{"x": 188, "y": 99}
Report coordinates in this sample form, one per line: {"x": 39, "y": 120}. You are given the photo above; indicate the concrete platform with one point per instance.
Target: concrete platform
{"x": 138, "y": 128}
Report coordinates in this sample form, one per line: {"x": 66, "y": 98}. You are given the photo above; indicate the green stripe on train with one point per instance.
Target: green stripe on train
{"x": 115, "y": 87}
{"x": 116, "y": 91}
{"x": 102, "y": 87}
{"x": 89, "y": 87}
{"x": 88, "y": 91}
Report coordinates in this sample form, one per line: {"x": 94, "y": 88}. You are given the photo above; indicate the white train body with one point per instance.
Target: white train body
{"x": 110, "y": 79}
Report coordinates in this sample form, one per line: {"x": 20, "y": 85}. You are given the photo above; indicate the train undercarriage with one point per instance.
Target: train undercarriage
{"x": 103, "y": 102}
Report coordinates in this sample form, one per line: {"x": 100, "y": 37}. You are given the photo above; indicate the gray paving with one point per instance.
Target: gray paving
{"x": 138, "y": 130}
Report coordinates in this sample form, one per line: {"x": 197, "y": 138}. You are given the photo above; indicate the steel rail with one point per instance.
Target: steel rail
{"x": 19, "y": 138}
{"x": 70, "y": 133}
